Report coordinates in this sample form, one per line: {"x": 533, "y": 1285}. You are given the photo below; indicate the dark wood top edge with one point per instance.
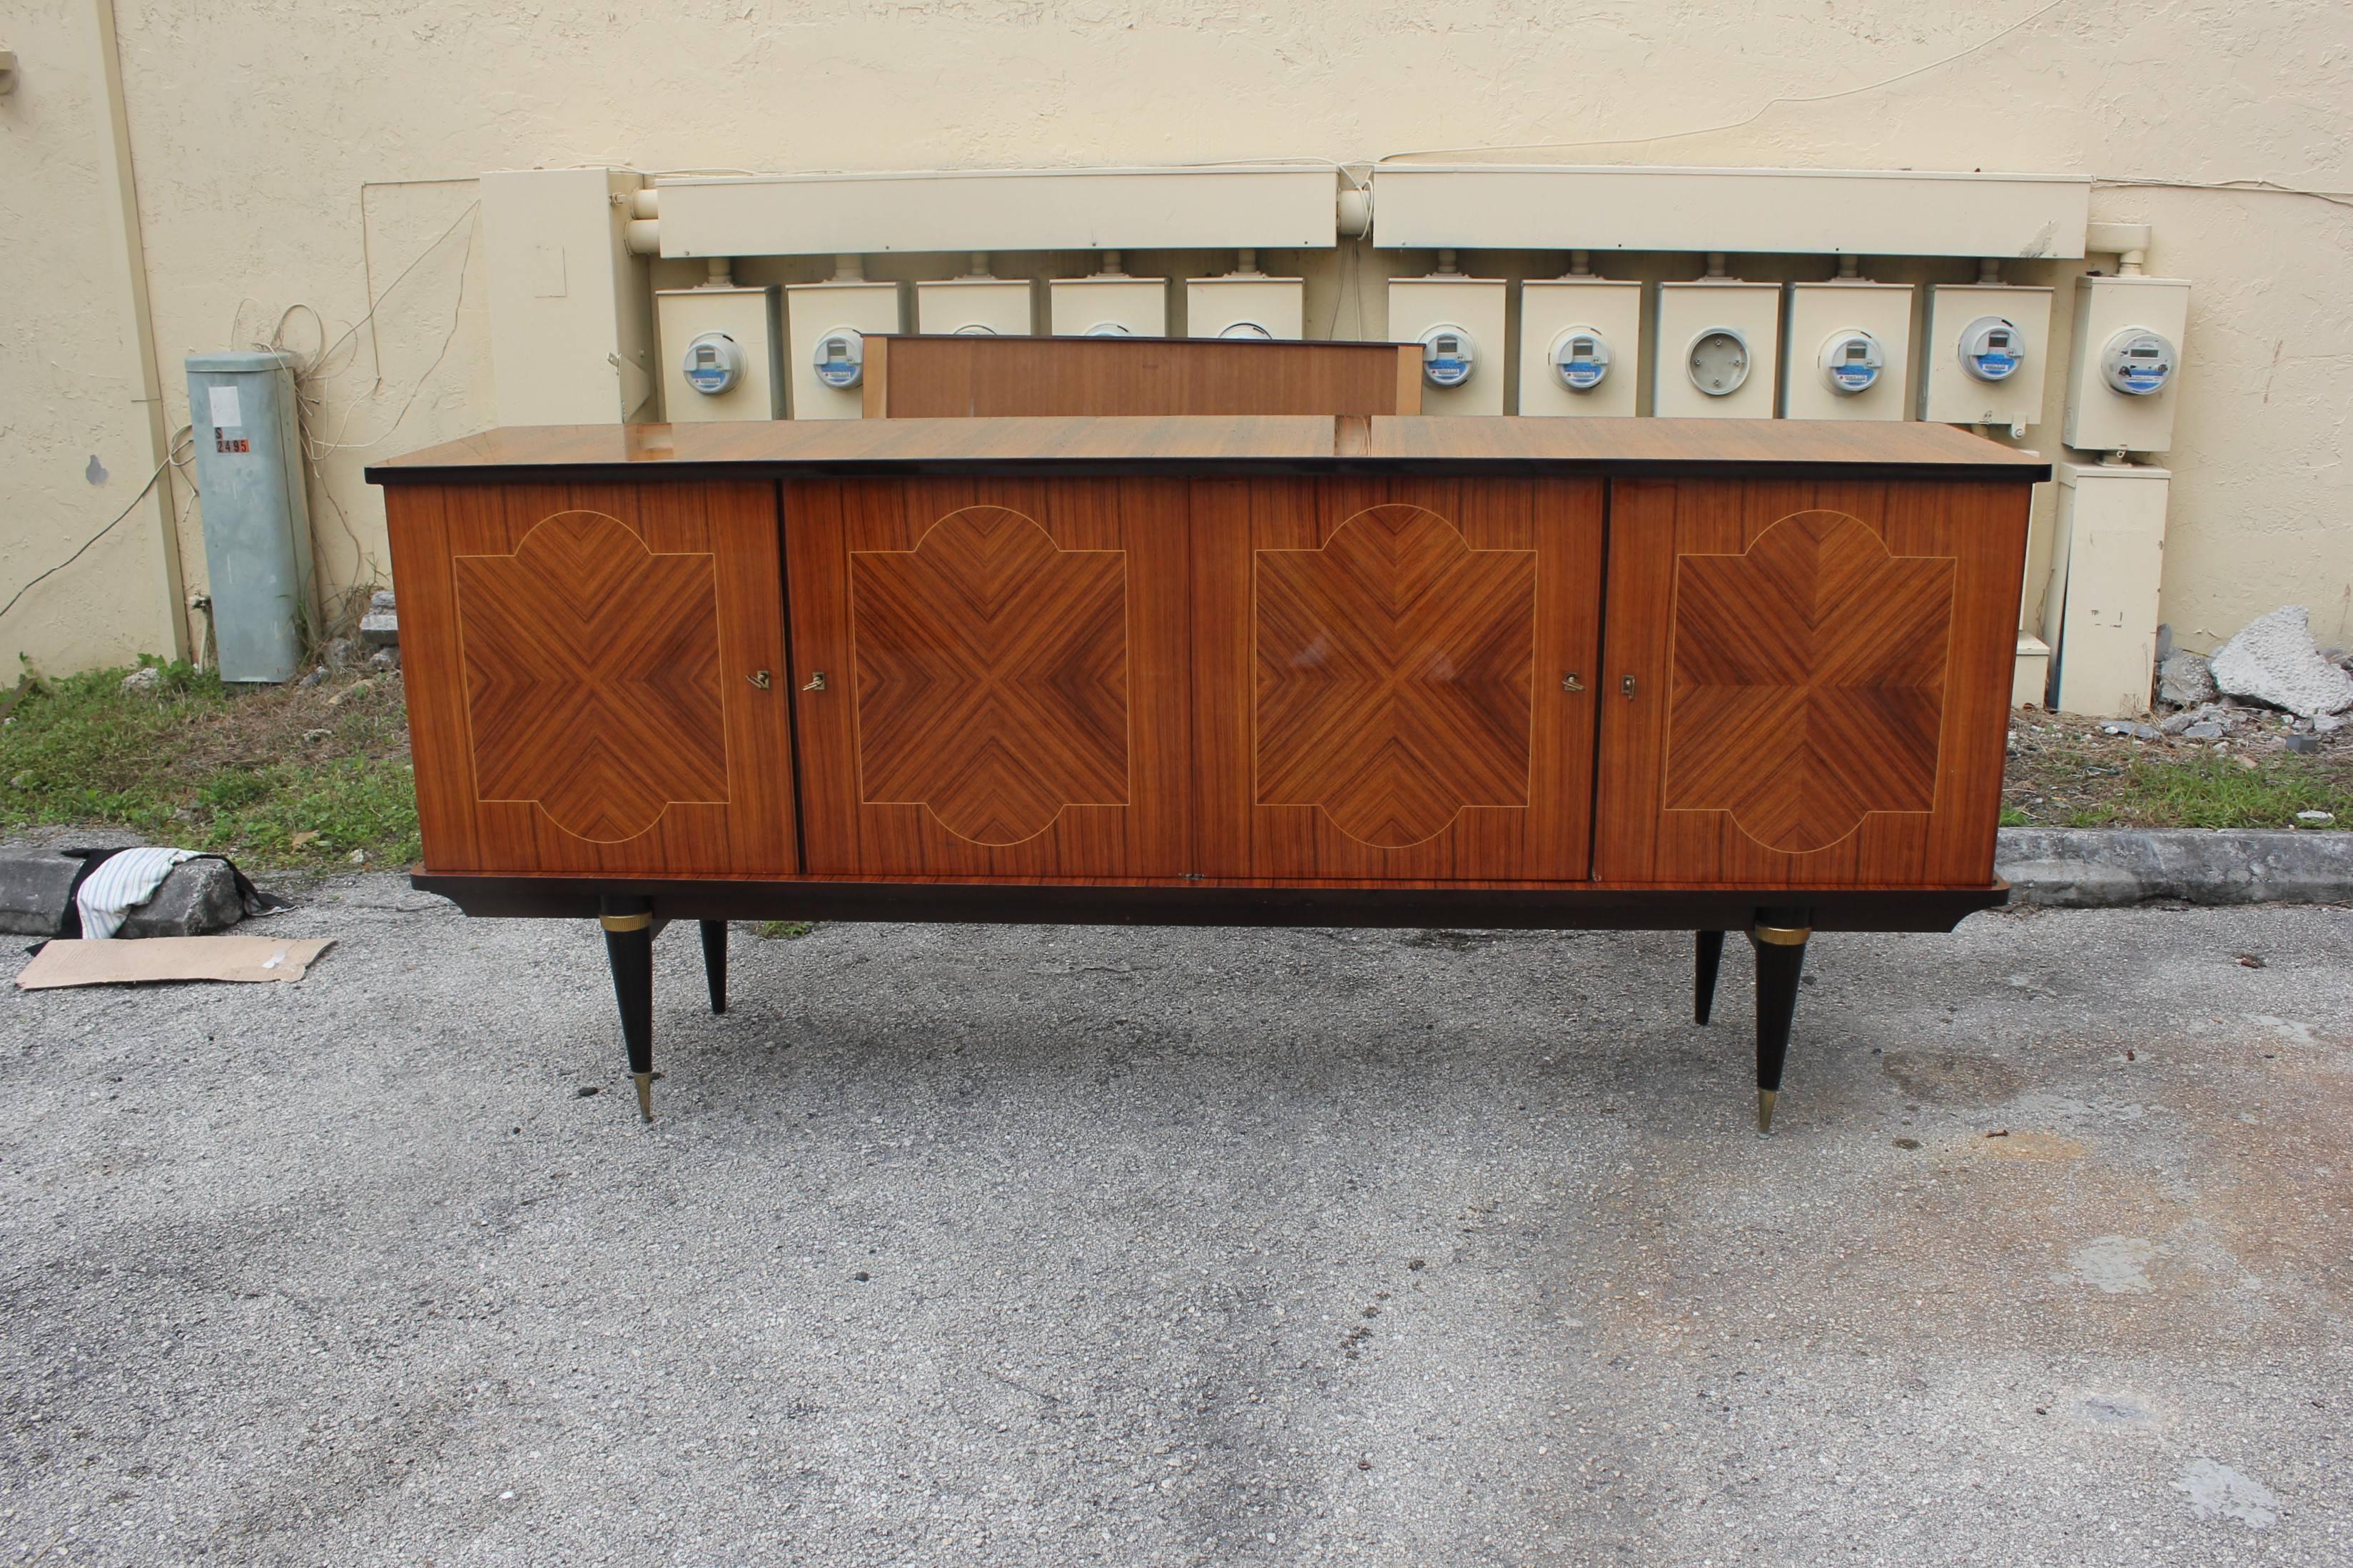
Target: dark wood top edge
{"x": 1564, "y": 906}
{"x": 1208, "y": 444}
{"x": 1009, "y": 467}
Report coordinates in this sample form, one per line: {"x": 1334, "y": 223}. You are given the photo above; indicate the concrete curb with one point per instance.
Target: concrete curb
{"x": 2106, "y": 867}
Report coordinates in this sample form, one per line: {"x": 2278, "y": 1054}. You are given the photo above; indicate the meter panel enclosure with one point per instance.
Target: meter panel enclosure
{"x": 1474, "y": 306}
{"x": 1230, "y": 306}
{"x": 2099, "y": 417}
{"x": 1689, "y": 312}
{"x": 1078, "y": 307}
{"x": 812, "y": 311}
{"x": 749, "y": 316}
{"x": 1949, "y": 394}
{"x": 2107, "y": 557}
{"x": 1000, "y": 306}
{"x": 1818, "y": 312}
{"x": 1548, "y": 309}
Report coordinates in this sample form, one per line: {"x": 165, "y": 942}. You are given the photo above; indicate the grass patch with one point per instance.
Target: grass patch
{"x": 2210, "y": 790}
{"x": 783, "y": 931}
{"x": 2067, "y": 787}
{"x": 276, "y": 776}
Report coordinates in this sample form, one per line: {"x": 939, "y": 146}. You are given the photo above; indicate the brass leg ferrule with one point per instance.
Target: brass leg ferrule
{"x": 1765, "y": 1108}
{"x": 645, "y": 1094}
{"x": 626, "y": 922}
{"x": 1780, "y": 936}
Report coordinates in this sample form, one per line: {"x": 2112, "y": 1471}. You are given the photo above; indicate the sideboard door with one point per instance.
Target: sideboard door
{"x": 593, "y": 677}
{"x": 1394, "y": 677}
{"x": 989, "y": 674}
{"x": 1807, "y": 684}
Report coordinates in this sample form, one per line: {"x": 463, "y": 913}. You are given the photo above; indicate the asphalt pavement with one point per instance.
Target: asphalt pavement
{"x": 1029, "y": 1247}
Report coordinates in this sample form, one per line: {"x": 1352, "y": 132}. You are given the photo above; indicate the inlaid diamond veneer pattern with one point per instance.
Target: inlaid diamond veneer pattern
{"x": 1394, "y": 676}
{"x": 1808, "y": 683}
{"x": 592, "y": 676}
{"x": 992, "y": 675}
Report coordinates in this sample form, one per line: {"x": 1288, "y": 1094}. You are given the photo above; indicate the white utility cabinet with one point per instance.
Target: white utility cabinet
{"x": 1849, "y": 351}
{"x": 995, "y": 305}
{"x": 1585, "y": 324}
{"x": 1246, "y": 305}
{"x": 1717, "y": 350}
{"x": 699, "y": 331}
{"x": 1459, "y": 321}
{"x": 2107, "y": 555}
{"x": 2125, "y": 360}
{"x": 1972, "y": 329}
{"x": 1108, "y": 304}
{"x": 826, "y": 323}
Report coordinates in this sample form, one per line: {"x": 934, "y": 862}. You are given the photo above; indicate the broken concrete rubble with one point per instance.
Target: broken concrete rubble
{"x": 2274, "y": 660}
{"x": 198, "y": 898}
{"x": 380, "y": 627}
{"x": 2185, "y": 680}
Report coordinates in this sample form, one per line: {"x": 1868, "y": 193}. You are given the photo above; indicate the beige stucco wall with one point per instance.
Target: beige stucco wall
{"x": 288, "y": 153}
{"x": 77, "y": 437}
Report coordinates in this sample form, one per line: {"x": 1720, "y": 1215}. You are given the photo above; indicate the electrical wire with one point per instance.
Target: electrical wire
{"x": 142, "y": 495}
{"x": 1762, "y": 109}
{"x": 2258, "y": 187}
{"x": 457, "y": 320}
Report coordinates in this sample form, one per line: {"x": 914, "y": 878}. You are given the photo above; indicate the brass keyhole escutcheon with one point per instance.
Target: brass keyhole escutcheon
{"x": 816, "y": 681}
{"x": 759, "y": 678}
{"x": 1627, "y": 686}
{"x": 1572, "y": 681}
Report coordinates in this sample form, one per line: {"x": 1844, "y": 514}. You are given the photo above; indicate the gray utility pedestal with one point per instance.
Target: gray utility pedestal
{"x": 256, "y": 515}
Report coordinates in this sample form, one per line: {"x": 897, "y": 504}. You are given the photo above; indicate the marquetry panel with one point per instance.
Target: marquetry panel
{"x": 1005, "y": 685}
{"x": 592, "y": 676}
{"x": 992, "y": 675}
{"x": 584, "y": 672}
{"x": 1393, "y": 677}
{"x": 1819, "y": 679}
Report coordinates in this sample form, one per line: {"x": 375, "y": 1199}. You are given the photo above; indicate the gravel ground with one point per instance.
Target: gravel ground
{"x": 1008, "y": 1246}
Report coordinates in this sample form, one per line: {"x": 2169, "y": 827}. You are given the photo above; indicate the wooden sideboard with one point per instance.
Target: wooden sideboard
{"x": 1704, "y": 675}
{"x": 962, "y": 376}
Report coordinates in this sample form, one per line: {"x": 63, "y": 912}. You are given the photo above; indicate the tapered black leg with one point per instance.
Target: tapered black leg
{"x": 629, "y": 925}
{"x": 1707, "y": 960}
{"x": 714, "y": 962}
{"x": 1780, "y": 937}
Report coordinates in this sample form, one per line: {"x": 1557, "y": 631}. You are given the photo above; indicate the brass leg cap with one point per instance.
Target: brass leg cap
{"x": 1765, "y": 1108}
{"x": 645, "y": 1094}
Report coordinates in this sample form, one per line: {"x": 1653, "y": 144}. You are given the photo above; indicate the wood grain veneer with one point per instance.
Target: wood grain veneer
{"x": 1820, "y": 681}
{"x": 1006, "y": 683}
{"x": 579, "y": 664}
{"x": 1378, "y": 673}
{"x": 956, "y": 377}
{"x": 1301, "y": 442}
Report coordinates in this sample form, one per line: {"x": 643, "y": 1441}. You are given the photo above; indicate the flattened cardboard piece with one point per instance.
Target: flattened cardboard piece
{"x": 161, "y": 958}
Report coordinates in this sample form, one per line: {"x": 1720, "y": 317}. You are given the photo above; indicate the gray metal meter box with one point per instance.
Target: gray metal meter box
{"x": 256, "y": 514}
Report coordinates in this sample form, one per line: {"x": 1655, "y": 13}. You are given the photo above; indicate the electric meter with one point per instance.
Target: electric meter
{"x": 975, "y": 330}
{"x": 1581, "y": 357}
{"x": 713, "y": 363}
{"x": 1108, "y": 330}
{"x": 1851, "y": 360}
{"x": 1719, "y": 361}
{"x": 1246, "y": 330}
{"x": 2137, "y": 363}
{"x": 1448, "y": 356}
{"x": 1992, "y": 349}
{"x": 839, "y": 357}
